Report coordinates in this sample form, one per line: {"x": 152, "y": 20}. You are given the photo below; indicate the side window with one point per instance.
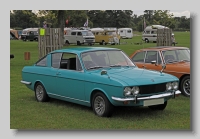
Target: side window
{"x": 42, "y": 62}
{"x": 147, "y": 32}
{"x": 153, "y": 32}
{"x": 79, "y": 33}
{"x": 139, "y": 57}
{"x": 55, "y": 60}
{"x": 121, "y": 31}
{"x": 129, "y": 31}
{"x": 151, "y": 56}
{"x": 169, "y": 55}
{"x": 31, "y": 32}
{"x": 73, "y": 33}
{"x": 70, "y": 61}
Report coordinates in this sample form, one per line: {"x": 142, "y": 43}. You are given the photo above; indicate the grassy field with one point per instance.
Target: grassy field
{"x": 26, "y": 113}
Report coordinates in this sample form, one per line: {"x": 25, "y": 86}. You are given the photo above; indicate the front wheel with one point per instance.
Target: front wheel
{"x": 40, "y": 93}
{"x": 185, "y": 86}
{"x": 158, "y": 107}
{"x": 101, "y": 105}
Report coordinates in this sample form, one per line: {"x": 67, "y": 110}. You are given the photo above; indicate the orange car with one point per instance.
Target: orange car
{"x": 175, "y": 60}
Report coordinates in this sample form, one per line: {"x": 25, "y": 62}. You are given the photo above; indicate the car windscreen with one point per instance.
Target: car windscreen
{"x": 105, "y": 58}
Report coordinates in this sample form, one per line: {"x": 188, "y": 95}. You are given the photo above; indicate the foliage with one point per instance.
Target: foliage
{"x": 97, "y": 18}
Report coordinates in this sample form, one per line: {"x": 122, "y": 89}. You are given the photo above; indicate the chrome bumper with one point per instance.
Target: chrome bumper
{"x": 148, "y": 98}
{"x": 25, "y": 82}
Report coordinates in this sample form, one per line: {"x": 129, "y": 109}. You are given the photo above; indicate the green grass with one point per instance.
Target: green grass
{"x": 26, "y": 113}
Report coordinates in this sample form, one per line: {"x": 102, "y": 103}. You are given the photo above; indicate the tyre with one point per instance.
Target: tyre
{"x": 158, "y": 107}
{"x": 146, "y": 40}
{"x": 185, "y": 86}
{"x": 67, "y": 42}
{"x": 40, "y": 93}
{"x": 101, "y": 105}
{"x": 78, "y": 43}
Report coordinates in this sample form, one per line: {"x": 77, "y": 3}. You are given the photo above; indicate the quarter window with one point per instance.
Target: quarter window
{"x": 42, "y": 62}
{"x": 139, "y": 57}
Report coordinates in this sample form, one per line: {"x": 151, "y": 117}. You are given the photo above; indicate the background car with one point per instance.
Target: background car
{"x": 176, "y": 59}
{"x": 100, "y": 78}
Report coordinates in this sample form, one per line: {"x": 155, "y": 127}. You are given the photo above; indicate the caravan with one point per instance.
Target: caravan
{"x": 125, "y": 33}
{"x": 150, "y": 33}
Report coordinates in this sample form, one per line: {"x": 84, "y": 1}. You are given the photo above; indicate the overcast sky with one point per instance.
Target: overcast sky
{"x": 177, "y": 13}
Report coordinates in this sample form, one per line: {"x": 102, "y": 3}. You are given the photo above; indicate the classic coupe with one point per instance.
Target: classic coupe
{"x": 175, "y": 59}
{"x": 98, "y": 77}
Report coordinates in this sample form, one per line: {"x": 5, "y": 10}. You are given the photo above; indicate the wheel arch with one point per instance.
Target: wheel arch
{"x": 98, "y": 90}
{"x": 180, "y": 79}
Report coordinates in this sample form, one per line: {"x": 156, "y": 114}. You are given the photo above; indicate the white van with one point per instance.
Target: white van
{"x": 73, "y": 36}
{"x": 125, "y": 33}
{"x": 150, "y": 33}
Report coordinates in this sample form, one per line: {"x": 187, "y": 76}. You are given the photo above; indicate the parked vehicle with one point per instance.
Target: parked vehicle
{"x": 73, "y": 36}
{"x": 176, "y": 59}
{"x": 125, "y": 33}
{"x": 98, "y": 77}
{"x": 150, "y": 33}
{"x": 30, "y": 34}
{"x": 105, "y": 36}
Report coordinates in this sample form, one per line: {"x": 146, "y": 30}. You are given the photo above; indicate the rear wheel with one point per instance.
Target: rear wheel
{"x": 185, "y": 86}
{"x": 158, "y": 107}
{"x": 40, "y": 93}
{"x": 146, "y": 40}
{"x": 67, "y": 42}
{"x": 78, "y": 43}
{"x": 101, "y": 105}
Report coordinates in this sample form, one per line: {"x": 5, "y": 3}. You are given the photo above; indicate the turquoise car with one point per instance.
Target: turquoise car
{"x": 98, "y": 77}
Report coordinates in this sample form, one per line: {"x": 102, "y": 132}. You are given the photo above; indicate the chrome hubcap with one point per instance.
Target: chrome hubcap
{"x": 39, "y": 92}
{"x": 99, "y": 105}
{"x": 186, "y": 87}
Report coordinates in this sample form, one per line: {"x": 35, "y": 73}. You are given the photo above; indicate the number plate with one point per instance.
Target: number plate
{"x": 153, "y": 102}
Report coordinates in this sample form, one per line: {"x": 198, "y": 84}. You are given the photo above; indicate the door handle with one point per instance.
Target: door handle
{"x": 58, "y": 73}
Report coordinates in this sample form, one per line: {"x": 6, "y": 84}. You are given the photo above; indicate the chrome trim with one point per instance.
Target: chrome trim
{"x": 25, "y": 82}
{"x": 148, "y": 98}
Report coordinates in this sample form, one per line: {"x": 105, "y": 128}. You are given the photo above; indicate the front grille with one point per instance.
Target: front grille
{"x": 155, "y": 88}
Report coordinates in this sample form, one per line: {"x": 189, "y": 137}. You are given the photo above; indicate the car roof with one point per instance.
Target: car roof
{"x": 83, "y": 49}
{"x": 164, "y": 48}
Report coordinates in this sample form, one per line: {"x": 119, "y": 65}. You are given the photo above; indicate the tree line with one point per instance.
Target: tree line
{"x": 21, "y": 19}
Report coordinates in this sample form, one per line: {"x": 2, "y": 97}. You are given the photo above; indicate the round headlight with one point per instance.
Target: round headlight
{"x": 175, "y": 85}
{"x": 135, "y": 90}
{"x": 127, "y": 91}
{"x": 168, "y": 86}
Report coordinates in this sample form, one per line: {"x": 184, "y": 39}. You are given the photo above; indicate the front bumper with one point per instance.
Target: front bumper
{"x": 135, "y": 98}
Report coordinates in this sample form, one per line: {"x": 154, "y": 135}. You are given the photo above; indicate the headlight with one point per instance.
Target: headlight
{"x": 175, "y": 85}
{"x": 135, "y": 90}
{"x": 127, "y": 91}
{"x": 168, "y": 86}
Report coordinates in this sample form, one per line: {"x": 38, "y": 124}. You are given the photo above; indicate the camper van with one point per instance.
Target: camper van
{"x": 74, "y": 36}
{"x": 125, "y": 33}
{"x": 30, "y": 34}
{"x": 150, "y": 33}
{"x": 105, "y": 36}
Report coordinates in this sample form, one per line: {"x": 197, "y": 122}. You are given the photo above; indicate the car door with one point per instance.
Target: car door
{"x": 70, "y": 77}
{"x": 150, "y": 57}
{"x": 72, "y": 38}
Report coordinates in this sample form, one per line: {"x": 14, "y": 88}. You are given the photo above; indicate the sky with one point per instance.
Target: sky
{"x": 176, "y": 13}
